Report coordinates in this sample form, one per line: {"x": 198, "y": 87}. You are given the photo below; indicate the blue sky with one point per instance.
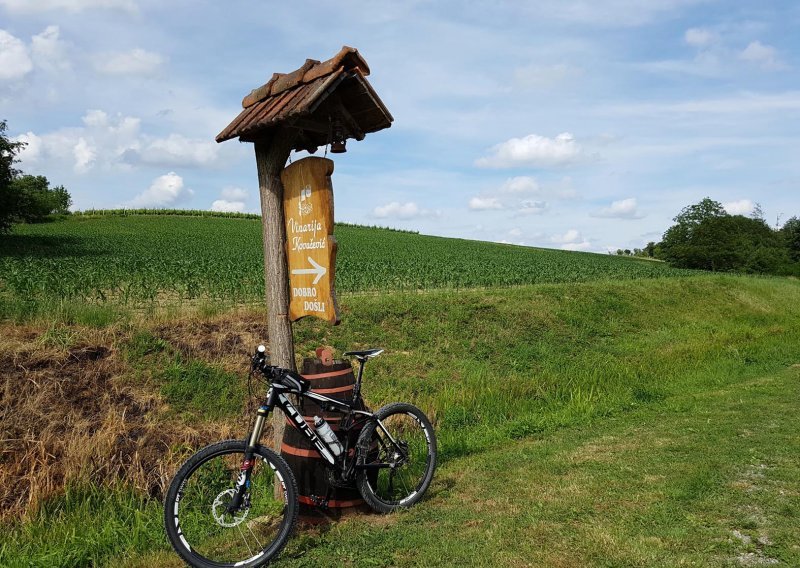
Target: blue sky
{"x": 559, "y": 123}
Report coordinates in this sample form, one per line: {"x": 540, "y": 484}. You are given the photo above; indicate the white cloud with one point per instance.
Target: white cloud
{"x": 533, "y": 150}
{"x": 520, "y": 184}
{"x": 530, "y": 207}
{"x": 34, "y": 6}
{"x": 233, "y": 200}
{"x": 699, "y": 37}
{"x": 117, "y": 143}
{"x": 176, "y": 150}
{"x": 33, "y": 147}
{"x": 765, "y": 56}
{"x": 622, "y": 209}
{"x": 102, "y": 141}
{"x": 228, "y": 206}
{"x": 234, "y": 193}
{"x": 84, "y": 154}
{"x": 15, "y": 62}
{"x": 583, "y": 245}
{"x": 48, "y": 51}
{"x": 741, "y": 207}
{"x": 399, "y": 210}
{"x": 134, "y": 62}
{"x": 94, "y": 117}
{"x": 165, "y": 190}
{"x": 571, "y": 240}
{"x": 483, "y": 203}
{"x": 570, "y": 237}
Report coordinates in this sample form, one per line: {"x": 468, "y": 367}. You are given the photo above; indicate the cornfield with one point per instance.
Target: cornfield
{"x": 136, "y": 259}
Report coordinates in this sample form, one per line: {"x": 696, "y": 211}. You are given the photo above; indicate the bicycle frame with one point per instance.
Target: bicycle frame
{"x": 277, "y": 397}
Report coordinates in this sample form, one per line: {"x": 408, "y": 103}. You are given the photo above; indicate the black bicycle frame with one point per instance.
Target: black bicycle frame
{"x": 277, "y": 397}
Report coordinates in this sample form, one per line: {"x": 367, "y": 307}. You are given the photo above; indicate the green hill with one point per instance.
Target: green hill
{"x": 595, "y": 414}
{"x": 138, "y": 259}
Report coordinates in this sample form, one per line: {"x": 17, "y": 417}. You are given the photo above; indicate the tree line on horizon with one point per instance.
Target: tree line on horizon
{"x": 707, "y": 237}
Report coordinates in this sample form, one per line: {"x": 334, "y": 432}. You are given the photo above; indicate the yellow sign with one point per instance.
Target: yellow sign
{"x": 310, "y": 245}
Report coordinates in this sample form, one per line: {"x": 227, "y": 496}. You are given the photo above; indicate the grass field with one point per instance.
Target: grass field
{"x": 136, "y": 260}
{"x": 611, "y": 422}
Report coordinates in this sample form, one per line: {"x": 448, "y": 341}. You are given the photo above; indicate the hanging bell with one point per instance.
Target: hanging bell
{"x": 339, "y": 140}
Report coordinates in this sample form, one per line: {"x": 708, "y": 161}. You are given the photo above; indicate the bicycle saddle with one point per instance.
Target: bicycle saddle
{"x": 364, "y": 355}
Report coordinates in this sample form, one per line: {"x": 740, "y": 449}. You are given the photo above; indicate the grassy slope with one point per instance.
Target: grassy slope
{"x": 567, "y": 364}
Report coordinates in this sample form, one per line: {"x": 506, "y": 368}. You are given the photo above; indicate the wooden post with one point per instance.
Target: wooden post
{"x": 271, "y": 156}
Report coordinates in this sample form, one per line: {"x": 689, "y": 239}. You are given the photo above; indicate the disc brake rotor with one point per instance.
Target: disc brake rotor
{"x": 220, "y": 510}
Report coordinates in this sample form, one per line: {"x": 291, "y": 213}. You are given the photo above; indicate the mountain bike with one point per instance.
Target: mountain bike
{"x": 235, "y": 503}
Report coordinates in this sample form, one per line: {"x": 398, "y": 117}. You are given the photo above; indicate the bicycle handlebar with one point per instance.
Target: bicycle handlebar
{"x": 260, "y": 362}
{"x": 274, "y": 374}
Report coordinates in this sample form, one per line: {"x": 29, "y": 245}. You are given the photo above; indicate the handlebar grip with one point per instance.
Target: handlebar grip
{"x": 259, "y": 358}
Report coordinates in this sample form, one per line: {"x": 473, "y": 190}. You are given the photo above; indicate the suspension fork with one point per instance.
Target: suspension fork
{"x": 243, "y": 480}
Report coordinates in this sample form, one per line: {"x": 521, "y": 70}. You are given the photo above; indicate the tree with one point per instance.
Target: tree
{"x": 732, "y": 243}
{"x": 791, "y": 236}
{"x": 9, "y": 199}
{"x": 758, "y": 212}
{"x": 693, "y": 215}
{"x": 673, "y": 248}
{"x": 37, "y": 202}
{"x": 25, "y": 198}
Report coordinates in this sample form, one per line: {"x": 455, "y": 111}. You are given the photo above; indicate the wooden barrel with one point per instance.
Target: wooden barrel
{"x": 335, "y": 381}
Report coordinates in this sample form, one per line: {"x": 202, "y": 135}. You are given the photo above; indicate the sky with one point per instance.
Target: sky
{"x": 572, "y": 124}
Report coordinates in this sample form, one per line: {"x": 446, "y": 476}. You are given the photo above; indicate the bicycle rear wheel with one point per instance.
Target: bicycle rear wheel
{"x": 200, "y": 527}
{"x": 402, "y": 455}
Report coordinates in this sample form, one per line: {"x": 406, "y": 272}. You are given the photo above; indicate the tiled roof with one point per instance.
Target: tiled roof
{"x": 302, "y": 94}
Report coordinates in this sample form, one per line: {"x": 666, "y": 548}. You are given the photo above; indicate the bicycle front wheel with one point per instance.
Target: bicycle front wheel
{"x": 199, "y": 523}
{"x": 399, "y": 454}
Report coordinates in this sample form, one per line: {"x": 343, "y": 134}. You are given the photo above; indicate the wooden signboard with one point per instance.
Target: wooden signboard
{"x": 310, "y": 245}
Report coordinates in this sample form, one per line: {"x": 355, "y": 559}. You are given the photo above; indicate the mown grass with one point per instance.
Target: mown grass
{"x": 708, "y": 478}
{"x": 493, "y": 367}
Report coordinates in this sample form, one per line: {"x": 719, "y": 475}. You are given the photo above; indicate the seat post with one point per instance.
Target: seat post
{"x": 357, "y": 386}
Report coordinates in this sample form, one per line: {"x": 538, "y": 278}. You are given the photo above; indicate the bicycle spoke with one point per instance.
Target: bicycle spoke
{"x": 245, "y": 540}
{"x": 405, "y": 448}
{"x": 258, "y": 542}
{"x": 215, "y": 534}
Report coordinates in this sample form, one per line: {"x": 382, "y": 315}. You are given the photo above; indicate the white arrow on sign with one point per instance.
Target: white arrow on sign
{"x": 319, "y": 270}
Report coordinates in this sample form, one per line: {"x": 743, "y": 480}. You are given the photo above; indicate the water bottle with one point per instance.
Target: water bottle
{"x": 325, "y": 432}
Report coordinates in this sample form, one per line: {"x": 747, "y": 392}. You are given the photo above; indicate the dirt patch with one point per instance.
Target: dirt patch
{"x": 69, "y": 416}
{"x": 229, "y": 341}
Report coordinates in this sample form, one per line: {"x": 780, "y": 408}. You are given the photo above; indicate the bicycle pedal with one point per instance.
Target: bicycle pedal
{"x": 339, "y": 483}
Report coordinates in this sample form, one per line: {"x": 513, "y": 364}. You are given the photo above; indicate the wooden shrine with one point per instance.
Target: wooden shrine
{"x": 320, "y": 104}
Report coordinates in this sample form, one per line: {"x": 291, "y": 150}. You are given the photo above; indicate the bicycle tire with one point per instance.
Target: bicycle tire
{"x": 414, "y": 476}
{"x": 195, "y": 513}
